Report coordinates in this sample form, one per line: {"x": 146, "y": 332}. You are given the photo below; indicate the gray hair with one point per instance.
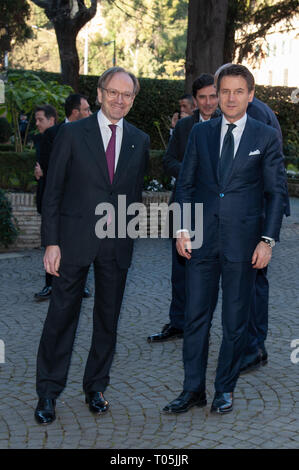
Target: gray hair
{"x": 108, "y": 74}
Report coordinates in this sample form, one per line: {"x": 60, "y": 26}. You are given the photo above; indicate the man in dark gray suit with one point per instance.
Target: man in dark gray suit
{"x": 94, "y": 160}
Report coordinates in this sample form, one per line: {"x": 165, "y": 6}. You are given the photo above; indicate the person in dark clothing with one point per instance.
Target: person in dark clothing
{"x": 76, "y": 107}
{"x": 256, "y": 354}
{"x": 94, "y": 161}
{"x": 45, "y": 117}
{"x": 204, "y": 93}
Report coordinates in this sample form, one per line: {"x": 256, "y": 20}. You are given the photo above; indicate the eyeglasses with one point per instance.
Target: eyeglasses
{"x": 126, "y": 95}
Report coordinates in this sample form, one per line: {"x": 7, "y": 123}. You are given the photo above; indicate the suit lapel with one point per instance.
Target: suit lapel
{"x": 246, "y": 144}
{"x": 95, "y": 144}
{"x": 97, "y": 151}
{"x": 214, "y": 145}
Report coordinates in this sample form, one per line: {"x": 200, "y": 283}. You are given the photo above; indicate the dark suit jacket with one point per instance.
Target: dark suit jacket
{"x": 40, "y": 182}
{"x": 47, "y": 146}
{"x": 177, "y": 143}
{"x": 45, "y": 149}
{"x": 78, "y": 180}
{"x": 260, "y": 111}
{"x": 233, "y": 216}
{"x": 172, "y": 160}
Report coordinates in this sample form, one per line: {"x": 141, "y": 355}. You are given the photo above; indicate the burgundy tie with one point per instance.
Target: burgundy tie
{"x": 110, "y": 152}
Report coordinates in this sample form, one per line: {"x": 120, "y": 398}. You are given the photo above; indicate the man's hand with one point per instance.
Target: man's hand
{"x": 261, "y": 255}
{"x": 174, "y": 119}
{"x": 183, "y": 244}
{"x": 52, "y": 259}
{"x": 183, "y": 114}
{"x": 38, "y": 172}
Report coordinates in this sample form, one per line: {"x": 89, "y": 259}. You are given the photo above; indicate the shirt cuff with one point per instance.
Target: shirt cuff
{"x": 180, "y": 231}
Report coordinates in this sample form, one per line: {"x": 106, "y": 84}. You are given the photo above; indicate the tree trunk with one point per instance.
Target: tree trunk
{"x": 205, "y": 38}
{"x": 68, "y": 17}
{"x": 66, "y": 39}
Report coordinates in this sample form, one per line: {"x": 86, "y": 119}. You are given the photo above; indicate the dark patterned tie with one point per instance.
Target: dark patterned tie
{"x": 227, "y": 155}
{"x": 110, "y": 152}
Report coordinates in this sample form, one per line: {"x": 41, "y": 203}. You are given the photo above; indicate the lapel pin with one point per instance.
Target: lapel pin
{"x": 133, "y": 146}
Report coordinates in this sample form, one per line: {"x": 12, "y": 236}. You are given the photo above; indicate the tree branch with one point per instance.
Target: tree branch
{"x": 41, "y": 3}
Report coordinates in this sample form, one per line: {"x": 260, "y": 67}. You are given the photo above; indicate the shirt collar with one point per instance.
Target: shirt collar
{"x": 240, "y": 123}
{"x": 201, "y": 119}
{"x": 104, "y": 121}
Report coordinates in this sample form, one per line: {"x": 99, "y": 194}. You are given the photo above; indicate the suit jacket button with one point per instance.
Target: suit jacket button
{"x": 221, "y": 195}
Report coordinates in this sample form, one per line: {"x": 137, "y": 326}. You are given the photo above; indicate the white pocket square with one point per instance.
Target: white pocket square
{"x": 254, "y": 152}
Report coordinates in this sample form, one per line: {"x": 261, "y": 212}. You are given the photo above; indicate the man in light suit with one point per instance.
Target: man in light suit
{"x": 231, "y": 165}
{"x": 94, "y": 160}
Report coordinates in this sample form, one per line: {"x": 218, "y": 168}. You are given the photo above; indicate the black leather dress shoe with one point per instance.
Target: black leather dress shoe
{"x": 168, "y": 332}
{"x": 45, "y": 411}
{"x": 250, "y": 363}
{"x": 96, "y": 402}
{"x": 264, "y": 355}
{"x": 185, "y": 401}
{"x": 222, "y": 403}
{"x": 86, "y": 293}
{"x": 44, "y": 294}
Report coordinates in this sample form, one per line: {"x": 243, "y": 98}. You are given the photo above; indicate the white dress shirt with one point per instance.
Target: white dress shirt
{"x": 201, "y": 119}
{"x": 106, "y": 133}
{"x": 237, "y": 132}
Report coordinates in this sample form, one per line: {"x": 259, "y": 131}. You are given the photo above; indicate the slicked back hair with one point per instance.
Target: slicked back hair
{"x": 204, "y": 79}
{"x": 73, "y": 101}
{"x": 48, "y": 109}
{"x": 187, "y": 96}
{"x": 237, "y": 70}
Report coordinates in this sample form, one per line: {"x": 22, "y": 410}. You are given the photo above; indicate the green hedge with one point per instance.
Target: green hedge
{"x": 158, "y": 99}
{"x": 16, "y": 170}
{"x": 7, "y": 148}
{"x": 8, "y": 224}
{"x": 5, "y": 130}
{"x": 152, "y": 109}
{"x": 156, "y": 102}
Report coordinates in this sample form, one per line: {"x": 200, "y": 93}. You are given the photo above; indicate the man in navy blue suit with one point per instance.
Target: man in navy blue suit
{"x": 255, "y": 353}
{"x": 232, "y": 165}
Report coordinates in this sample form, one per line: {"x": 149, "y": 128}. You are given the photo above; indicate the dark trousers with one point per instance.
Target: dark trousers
{"x": 178, "y": 300}
{"x": 60, "y": 326}
{"x": 202, "y": 285}
{"x": 178, "y": 285}
{"x": 49, "y": 279}
{"x": 258, "y": 318}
